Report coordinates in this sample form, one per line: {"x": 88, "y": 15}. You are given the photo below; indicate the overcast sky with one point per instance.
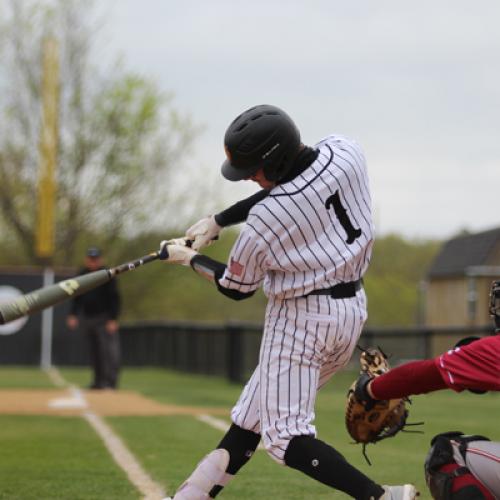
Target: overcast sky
{"x": 416, "y": 83}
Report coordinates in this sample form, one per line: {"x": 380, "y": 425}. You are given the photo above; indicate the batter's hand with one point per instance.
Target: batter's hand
{"x": 176, "y": 252}
{"x": 204, "y": 232}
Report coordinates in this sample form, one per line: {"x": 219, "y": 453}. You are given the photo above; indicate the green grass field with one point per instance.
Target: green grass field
{"x": 44, "y": 457}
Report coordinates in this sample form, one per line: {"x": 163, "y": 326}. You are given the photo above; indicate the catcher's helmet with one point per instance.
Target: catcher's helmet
{"x": 494, "y": 307}
{"x": 262, "y": 136}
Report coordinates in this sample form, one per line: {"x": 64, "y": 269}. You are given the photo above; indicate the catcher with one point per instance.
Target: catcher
{"x": 460, "y": 467}
{"x": 375, "y": 409}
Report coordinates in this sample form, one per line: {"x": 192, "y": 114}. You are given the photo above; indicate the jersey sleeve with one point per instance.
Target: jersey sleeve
{"x": 248, "y": 261}
{"x": 239, "y": 211}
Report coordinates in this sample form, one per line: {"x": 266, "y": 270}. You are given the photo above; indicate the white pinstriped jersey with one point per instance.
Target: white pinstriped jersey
{"x": 310, "y": 233}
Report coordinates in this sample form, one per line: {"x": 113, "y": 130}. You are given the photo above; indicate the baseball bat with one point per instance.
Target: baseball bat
{"x": 51, "y": 295}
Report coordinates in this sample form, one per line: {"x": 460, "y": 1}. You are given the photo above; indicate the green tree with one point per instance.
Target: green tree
{"x": 119, "y": 135}
{"x": 160, "y": 290}
{"x": 392, "y": 282}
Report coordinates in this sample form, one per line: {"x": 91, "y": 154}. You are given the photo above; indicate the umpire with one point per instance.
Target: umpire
{"x": 96, "y": 313}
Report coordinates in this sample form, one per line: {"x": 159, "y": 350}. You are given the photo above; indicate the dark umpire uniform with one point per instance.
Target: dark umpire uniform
{"x": 96, "y": 313}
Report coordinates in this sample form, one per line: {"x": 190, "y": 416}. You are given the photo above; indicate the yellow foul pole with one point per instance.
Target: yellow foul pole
{"x": 45, "y": 234}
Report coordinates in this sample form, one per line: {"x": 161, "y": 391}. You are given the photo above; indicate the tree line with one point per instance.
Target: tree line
{"x": 121, "y": 144}
{"x": 121, "y": 139}
{"x": 161, "y": 291}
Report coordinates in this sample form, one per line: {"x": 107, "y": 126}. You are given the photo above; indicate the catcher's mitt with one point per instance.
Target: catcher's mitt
{"x": 368, "y": 420}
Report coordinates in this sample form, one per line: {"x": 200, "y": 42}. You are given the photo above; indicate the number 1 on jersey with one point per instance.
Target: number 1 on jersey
{"x": 341, "y": 213}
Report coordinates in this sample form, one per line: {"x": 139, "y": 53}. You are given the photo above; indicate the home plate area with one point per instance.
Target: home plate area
{"x": 73, "y": 401}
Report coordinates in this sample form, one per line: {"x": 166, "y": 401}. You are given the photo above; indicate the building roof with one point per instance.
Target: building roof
{"x": 465, "y": 251}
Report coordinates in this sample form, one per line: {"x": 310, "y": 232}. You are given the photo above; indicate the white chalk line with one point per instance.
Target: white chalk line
{"x": 216, "y": 423}
{"x": 78, "y": 400}
{"x": 114, "y": 444}
{"x": 125, "y": 459}
{"x": 55, "y": 377}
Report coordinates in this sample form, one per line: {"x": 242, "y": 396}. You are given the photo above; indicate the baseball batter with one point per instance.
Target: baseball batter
{"x": 307, "y": 240}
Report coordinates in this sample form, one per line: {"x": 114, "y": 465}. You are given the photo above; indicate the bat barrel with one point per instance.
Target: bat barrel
{"x": 54, "y": 294}
{"x": 51, "y": 295}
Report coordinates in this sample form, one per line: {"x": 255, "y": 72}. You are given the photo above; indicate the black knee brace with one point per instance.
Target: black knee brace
{"x": 241, "y": 445}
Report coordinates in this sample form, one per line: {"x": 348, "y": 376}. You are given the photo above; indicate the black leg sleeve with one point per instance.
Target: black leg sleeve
{"x": 325, "y": 464}
{"x": 241, "y": 445}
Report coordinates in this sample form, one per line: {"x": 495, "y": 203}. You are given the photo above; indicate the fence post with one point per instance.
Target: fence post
{"x": 234, "y": 363}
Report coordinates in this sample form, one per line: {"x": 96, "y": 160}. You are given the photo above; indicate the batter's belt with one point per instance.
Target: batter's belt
{"x": 340, "y": 291}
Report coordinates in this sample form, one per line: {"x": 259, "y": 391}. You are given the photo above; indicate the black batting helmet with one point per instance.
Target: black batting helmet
{"x": 262, "y": 136}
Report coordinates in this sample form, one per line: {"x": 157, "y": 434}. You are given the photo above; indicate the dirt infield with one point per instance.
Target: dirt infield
{"x": 73, "y": 401}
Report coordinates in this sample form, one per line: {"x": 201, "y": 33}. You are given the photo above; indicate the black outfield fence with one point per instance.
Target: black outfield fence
{"x": 229, "y": 350}
{"x": 232, "y": 349}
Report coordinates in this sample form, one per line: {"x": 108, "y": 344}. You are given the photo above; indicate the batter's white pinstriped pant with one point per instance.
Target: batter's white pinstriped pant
{"x": 305, "y": 341}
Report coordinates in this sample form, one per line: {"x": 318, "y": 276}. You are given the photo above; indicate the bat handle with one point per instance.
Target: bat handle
{"x": 129, "y": 266}
{"x": 163, "y": 252}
